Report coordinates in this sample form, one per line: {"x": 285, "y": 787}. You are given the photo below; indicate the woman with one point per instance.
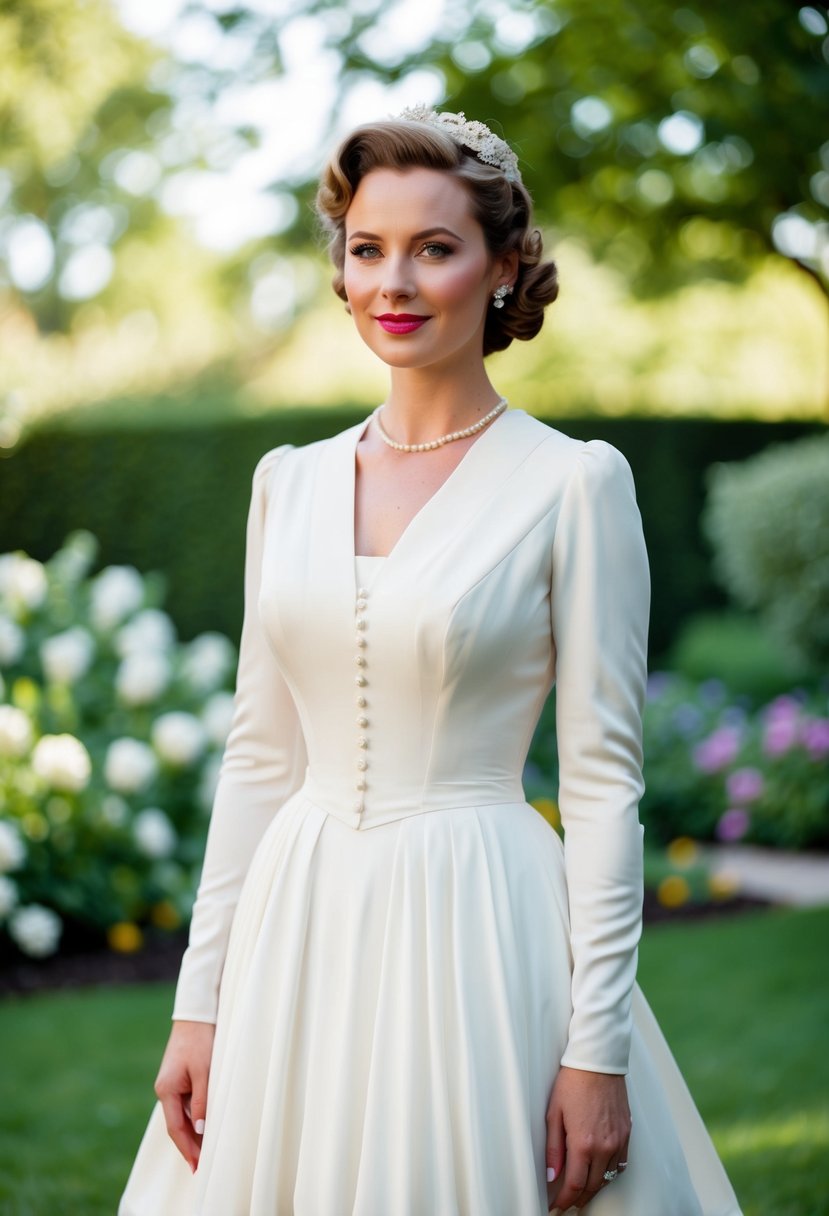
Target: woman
{"x": 408, "y": 997}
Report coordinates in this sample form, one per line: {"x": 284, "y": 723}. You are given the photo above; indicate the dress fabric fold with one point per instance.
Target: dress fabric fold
{"x": 397, "y": 950}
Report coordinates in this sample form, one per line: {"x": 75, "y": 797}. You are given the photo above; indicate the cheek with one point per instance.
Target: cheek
{"x": 460, "y": 285}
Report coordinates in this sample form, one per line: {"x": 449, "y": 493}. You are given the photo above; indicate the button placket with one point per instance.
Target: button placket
{"x": 361, "y": 679}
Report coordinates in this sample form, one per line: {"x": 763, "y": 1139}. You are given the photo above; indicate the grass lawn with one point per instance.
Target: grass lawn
{"x": 743, "y": 1001}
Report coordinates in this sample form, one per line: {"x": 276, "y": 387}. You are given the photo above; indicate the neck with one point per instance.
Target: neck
{"x": 422, "y": 405}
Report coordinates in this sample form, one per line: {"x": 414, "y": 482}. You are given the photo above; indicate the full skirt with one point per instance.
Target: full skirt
{"x": 393, "y": 1008}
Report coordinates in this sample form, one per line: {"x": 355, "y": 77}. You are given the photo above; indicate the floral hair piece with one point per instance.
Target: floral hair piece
{"x": 488, "y": 147}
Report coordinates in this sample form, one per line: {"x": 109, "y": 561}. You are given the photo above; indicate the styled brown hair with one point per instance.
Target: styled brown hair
{"x": 503, "y": 208}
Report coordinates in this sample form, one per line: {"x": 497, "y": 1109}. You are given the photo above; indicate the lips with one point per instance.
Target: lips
{"x": 400, "y": 322}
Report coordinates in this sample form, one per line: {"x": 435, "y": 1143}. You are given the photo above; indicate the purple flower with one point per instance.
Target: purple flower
{"x": 659, "y": 682}
{"x": 686, "y": 718}
{"x": 744, "y": 785}
{"x": 814, "y": 735}
{"x": 718, "y": 750}
{"x": 712, "y": 692}
{"x": 733, "y": 824}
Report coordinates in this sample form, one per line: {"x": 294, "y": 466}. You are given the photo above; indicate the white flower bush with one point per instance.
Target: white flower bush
{"x": 62, "y": 761}
{"x": 12, "y": 849}
{"x": 129, "y": 765}
{"x": 16, "y": 732}
{"x": 179, "y": 738}
{"x": 111, "y": 738}
{"x": 66, "y": 657}
{"x": 36, "y": 930}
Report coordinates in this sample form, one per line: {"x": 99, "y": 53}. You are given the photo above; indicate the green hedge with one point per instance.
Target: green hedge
{"x": 175, "y": 500}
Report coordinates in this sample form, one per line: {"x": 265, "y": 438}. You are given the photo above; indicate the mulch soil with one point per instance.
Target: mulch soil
{"x": 83, "y": 963}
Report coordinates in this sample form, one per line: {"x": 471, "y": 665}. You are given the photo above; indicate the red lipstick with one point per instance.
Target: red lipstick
{"x": 401, "y": 322}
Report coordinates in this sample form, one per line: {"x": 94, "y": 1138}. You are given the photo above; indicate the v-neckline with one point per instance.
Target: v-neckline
{"x": 439, "y": 492}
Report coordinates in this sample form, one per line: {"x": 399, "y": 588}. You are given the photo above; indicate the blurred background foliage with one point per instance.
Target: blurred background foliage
{"x": 157, "y": 166}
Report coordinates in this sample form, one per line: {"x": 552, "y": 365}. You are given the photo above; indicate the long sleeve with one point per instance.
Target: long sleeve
{"x": 600, "y": 606}
{"x": 263, "y": 763}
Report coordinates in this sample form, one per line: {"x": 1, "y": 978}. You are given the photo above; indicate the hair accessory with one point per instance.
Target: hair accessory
{"x": 438, "y": 443}
{"x": 499, "y": 293}
{"x": 487, "y": 146}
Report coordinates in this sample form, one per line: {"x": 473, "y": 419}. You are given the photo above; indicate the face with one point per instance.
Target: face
{"x": 418, "y": 275}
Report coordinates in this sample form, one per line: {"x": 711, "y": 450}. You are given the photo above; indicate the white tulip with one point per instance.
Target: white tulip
{"x": 63, "y": 762}
{"x": 12, "y": 641}
{"x": 142, "y": 677}
{"x": 179, "y": 738}
{"x": 36, "y": 930}
{"x": 67, "y": 656}
{"x": 207, "y": 661}
{"x": 8, "y": 896}
{"x": 23, "y": 581}
{"x": 129, "y": 765}
{"x": 217, "y": 717}
{"x": 154, "y": 834}
{"x": 150, "y": 630}
{"x": 116, "y": 592}
{"x": 12, "y": 849}
{"x": 15, "y": 731}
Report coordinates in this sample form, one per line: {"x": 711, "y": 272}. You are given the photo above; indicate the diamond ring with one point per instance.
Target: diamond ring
{"x": 609, "y": 1175}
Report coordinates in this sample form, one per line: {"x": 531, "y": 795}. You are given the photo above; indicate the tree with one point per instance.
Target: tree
{"x": 678, "y": 142}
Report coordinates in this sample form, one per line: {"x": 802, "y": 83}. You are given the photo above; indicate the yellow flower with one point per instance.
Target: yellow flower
{"x": 125, "y": 937}
{"x": 25, "y": 694}
{"x": 548, "y": 807}
{"x": 682, "y": 852}
{"x": 165, "y": 914}
{"x": 673, "y": 891}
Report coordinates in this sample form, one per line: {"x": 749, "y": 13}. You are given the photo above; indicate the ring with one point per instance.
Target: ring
{"x": 609, "y": 1175}
{"x": 622, "y": 1165}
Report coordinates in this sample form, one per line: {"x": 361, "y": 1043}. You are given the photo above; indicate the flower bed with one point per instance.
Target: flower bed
{"x": 111, "y": 734}
{"x": 719, "y": 769}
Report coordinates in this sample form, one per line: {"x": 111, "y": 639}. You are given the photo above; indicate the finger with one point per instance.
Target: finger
{"x": 555, "y": 1145}
{"x": 594, "y": 1182}
{"x": 198, "y": 1103}
{"x": 623, "y": 1155}
{"x": 576, "y": 1171}
{"x": 180, "y": 1129}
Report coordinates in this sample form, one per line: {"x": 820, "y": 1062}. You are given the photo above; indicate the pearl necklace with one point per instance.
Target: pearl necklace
{"x": 438, "y": 443}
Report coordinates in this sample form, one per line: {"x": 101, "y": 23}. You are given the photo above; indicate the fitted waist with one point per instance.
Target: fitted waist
{"x": 392, "y": 801}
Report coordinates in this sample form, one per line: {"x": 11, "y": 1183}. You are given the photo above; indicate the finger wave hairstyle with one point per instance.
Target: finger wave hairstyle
{"x": 502, "y": 208}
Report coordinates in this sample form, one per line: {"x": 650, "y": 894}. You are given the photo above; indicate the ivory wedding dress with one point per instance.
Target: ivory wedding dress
{"x": 397, "y": 950}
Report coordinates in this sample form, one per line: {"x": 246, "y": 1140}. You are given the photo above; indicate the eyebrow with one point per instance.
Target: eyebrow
{"x": 416, "y": 236}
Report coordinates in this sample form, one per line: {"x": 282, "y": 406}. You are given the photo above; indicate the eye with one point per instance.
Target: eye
{"x": 436, "y": 249}
{"x": 365, "y": 251}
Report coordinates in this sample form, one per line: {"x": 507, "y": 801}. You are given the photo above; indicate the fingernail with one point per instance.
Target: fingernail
{"x": 199, "y": 1125}
{"x": 551, "y": 1174}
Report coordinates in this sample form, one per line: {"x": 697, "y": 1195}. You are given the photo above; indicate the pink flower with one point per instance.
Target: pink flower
{"x": 718, "y": 750}
{"x": 744, "y": 785}
{"x": 733, "y": 824}
{"x": 814, "y": 735}
{"x": 780, "y": 734}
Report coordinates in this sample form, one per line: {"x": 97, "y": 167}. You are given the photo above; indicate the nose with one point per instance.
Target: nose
{"x": 398, "y": 279}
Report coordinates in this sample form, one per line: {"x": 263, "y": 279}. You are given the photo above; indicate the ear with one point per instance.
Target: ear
{"x": 505, "y": 269}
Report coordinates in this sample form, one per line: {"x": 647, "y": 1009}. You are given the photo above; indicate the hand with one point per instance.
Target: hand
{"x": 181, "y": 1085}
{"x": 588, "y": 1129}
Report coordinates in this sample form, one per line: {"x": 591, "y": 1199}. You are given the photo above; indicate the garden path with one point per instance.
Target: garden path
{"x": 800, "y": 879}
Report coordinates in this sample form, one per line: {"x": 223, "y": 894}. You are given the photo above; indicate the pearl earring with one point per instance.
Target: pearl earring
{"x": 498, "y": 296}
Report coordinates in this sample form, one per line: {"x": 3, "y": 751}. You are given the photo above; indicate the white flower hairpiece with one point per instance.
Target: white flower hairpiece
{"x": 487, "y": 146}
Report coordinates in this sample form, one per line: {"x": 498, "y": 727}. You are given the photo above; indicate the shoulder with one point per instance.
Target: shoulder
{"x": 595, "y": 462}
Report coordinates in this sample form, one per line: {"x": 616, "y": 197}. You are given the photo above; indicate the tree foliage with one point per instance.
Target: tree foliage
{"x": 678, "y": 142}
